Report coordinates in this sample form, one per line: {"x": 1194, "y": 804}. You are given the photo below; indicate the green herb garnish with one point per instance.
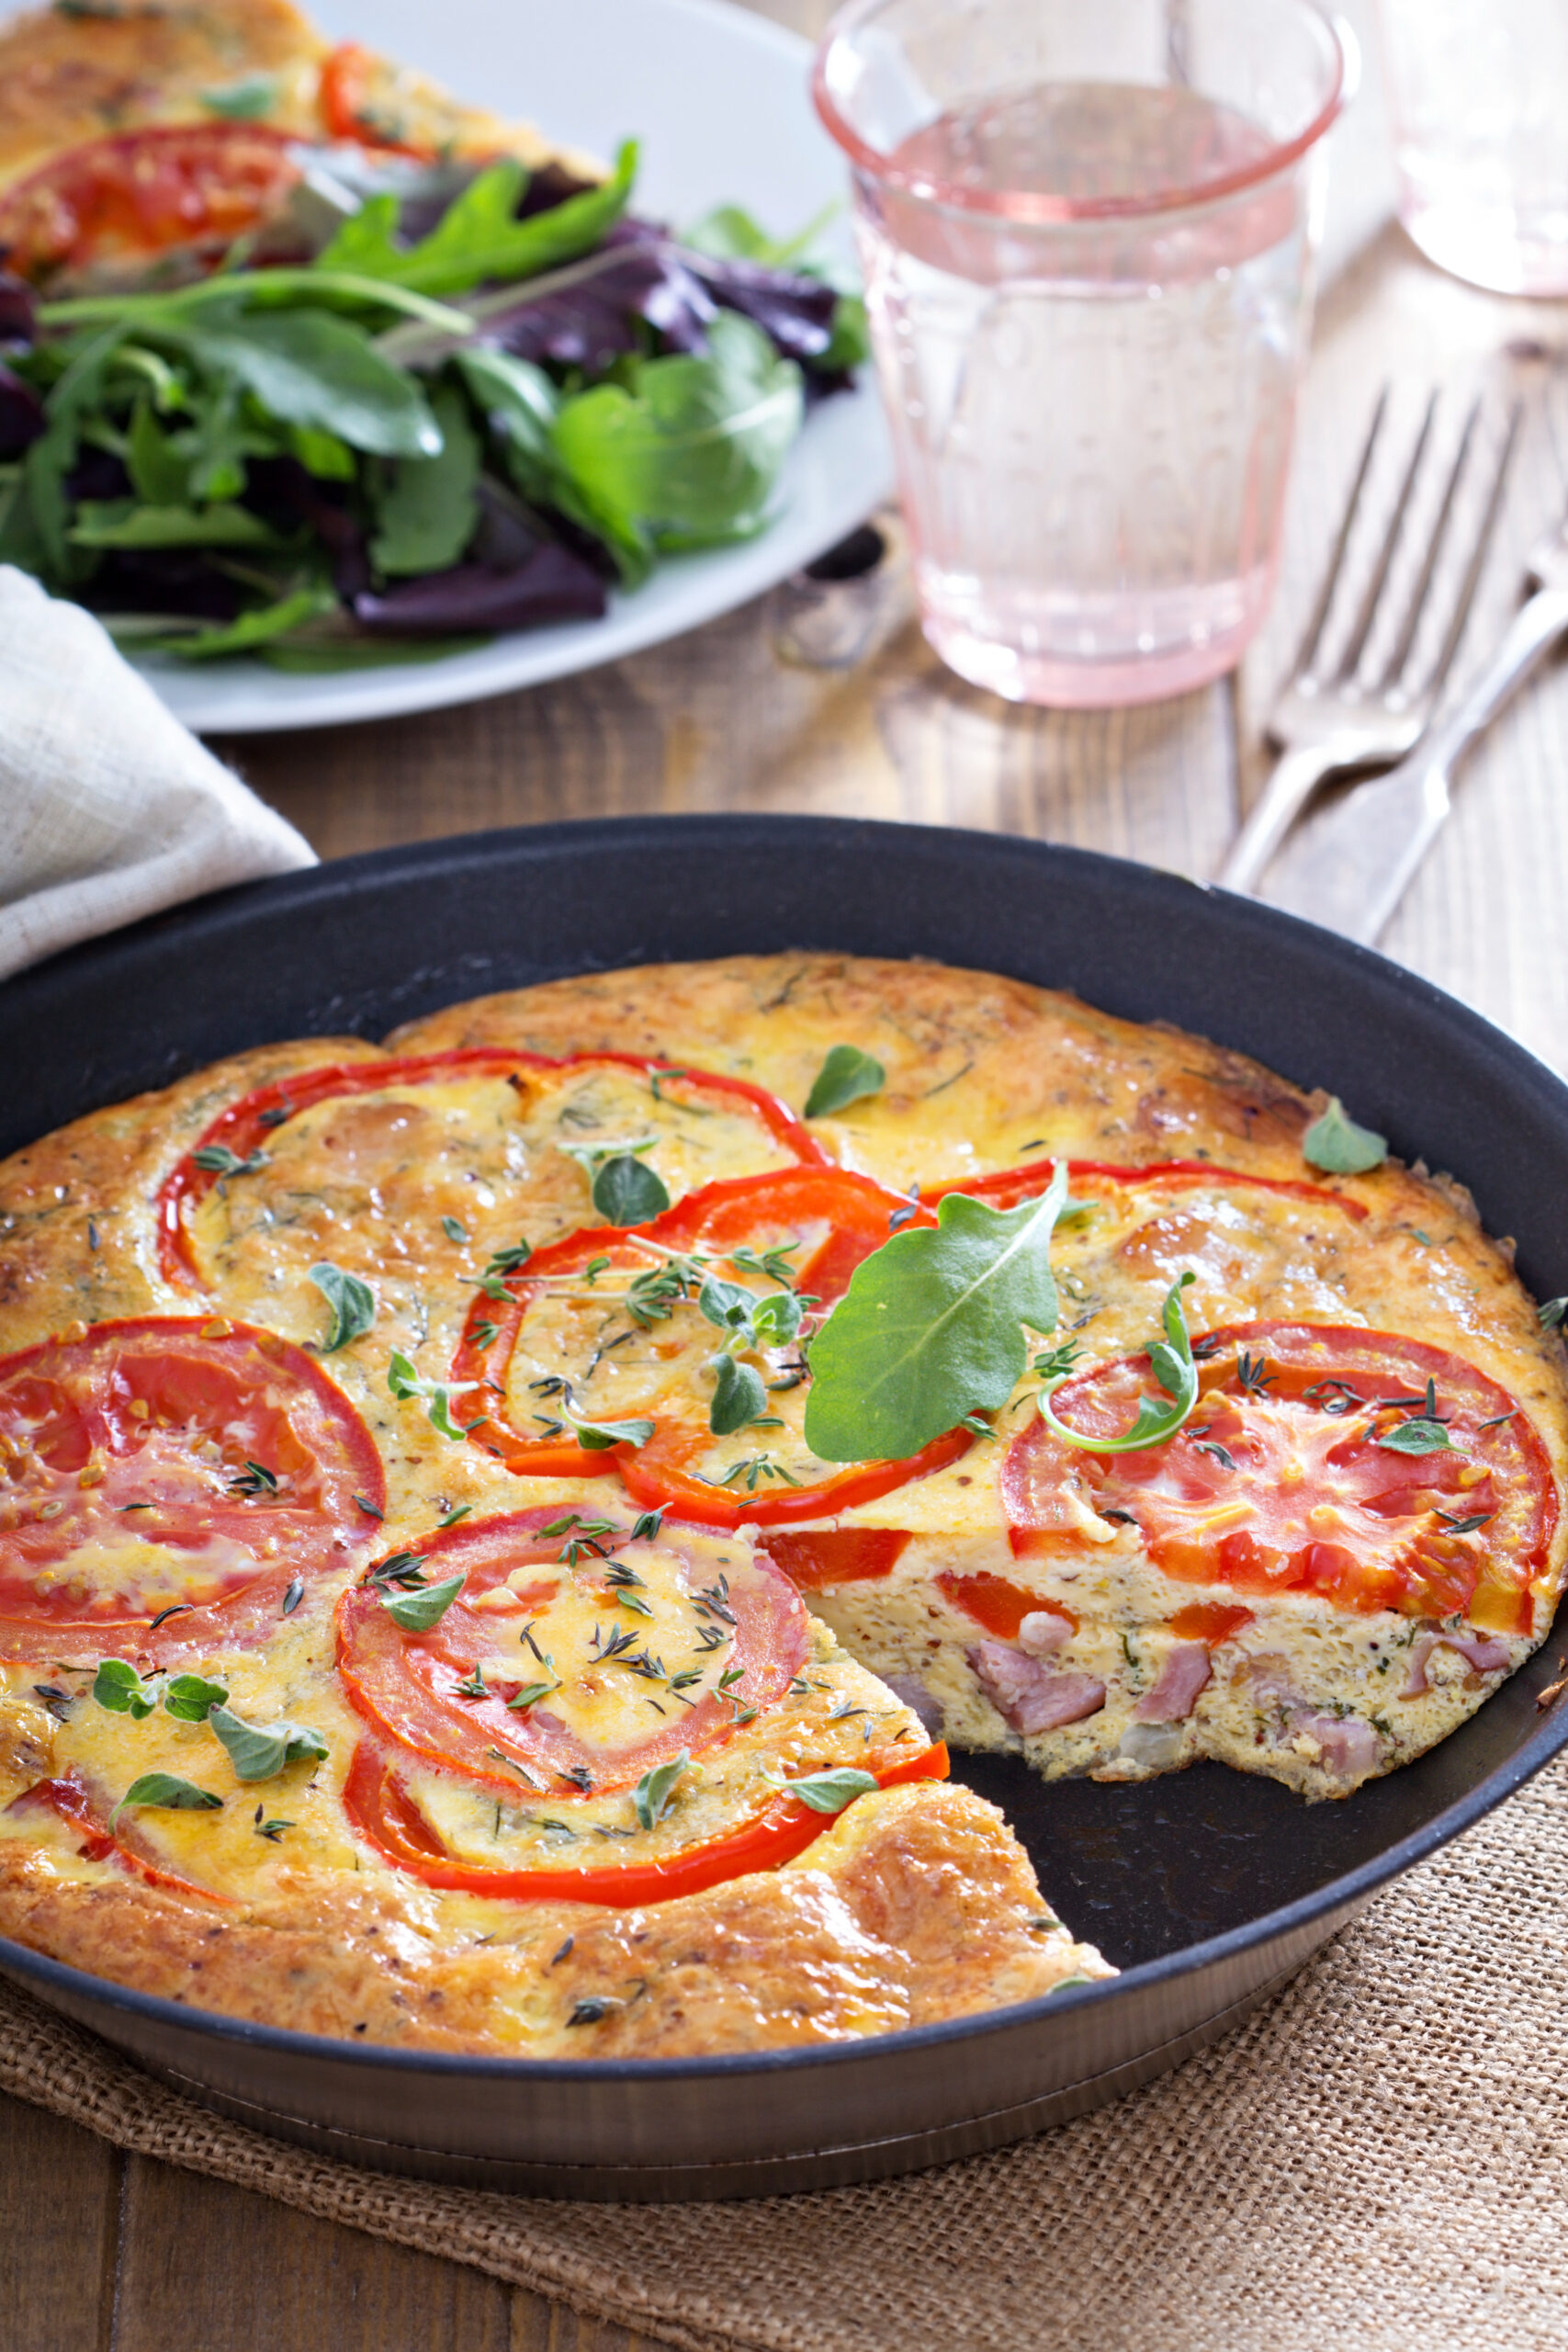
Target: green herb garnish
{"x": 1338, "y": 1146}
{"x": 845, "y": 1076}
{"x": 353, "y": 1304}
{"x": 657, "y": 1787}
{"x": 260, "y": 1751}
{"x": 417, "y": 1612}
{"x": 167, "y": 1791}
{"x": 827, "y": 1792}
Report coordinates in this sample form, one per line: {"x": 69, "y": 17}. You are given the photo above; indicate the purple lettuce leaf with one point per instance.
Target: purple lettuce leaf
{"x": 21, "y": 415}
{"x": 553, "y": 584}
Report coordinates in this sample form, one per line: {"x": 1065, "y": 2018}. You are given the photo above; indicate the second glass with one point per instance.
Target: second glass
{"x": 1087, "y": 236}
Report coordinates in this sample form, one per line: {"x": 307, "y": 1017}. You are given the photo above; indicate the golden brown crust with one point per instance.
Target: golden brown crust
{"x": 1007, "y": 1061}
{"x": 917, "y": 1905}
{"x": 68, "y": 77}
{"x": 76, "y": 1229}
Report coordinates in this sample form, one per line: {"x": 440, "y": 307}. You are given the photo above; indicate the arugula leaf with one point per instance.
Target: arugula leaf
{"x": 522, "y": 404}
{"x": 260, "y": 1751}
{"x": 1337, "y": 1145}
{"x": 827, "y": 1792}
{"x": 626, "y": 1192}
{"x": 117, "y": 1686}
{"x": 845, "y": 1076}
{"x": 478, "y": 236}
{"x": 252, "y": 631}
{"x": 1171, "y": 1361}
{"x": 159, "y": 475}
{"x": 426, "y": 511}
{"x": 190, "y": 1699}
{"x": 738, "y": 1398}
{"x": 353, "y": 1304}
{"x": 730, "y": 233}
{"x": 308, "y": 368}
{"x": 932, "y": 1326}
{"x": 405, "y": 1383}
{"x": 1551, "y": 1312}
{"x": 656, "y": 1788}
{"x": 166, "y": 1790}
{"x": 120, "y": 523}
{"x": 416, "y": 1612}
{"x": 689, "y": 456}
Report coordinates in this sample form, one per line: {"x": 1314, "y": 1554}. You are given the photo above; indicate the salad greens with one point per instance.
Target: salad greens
{"x": 430, "y": 428}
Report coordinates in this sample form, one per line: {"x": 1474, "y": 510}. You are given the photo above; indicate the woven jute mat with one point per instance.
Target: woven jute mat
{"x": 1376, "y": 2162}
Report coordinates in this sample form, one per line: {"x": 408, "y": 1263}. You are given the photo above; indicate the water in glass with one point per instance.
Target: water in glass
{"x": 1092, "y": 417}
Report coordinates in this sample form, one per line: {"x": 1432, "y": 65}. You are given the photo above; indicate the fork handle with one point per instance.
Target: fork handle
{"x": 1296, "y": 777}
{"x": 1533, "y": 631}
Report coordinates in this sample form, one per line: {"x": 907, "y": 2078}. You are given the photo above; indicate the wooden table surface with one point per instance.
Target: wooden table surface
{"x": 109, "y": 2254}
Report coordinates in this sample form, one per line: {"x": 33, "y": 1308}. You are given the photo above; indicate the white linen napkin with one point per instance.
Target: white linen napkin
{"x": 110, "y": 809}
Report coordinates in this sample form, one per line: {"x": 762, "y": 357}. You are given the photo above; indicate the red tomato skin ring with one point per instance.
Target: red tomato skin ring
{"x": 68, "y": 1799}
{"x": 1032, "y": 1177}
{"x": 771, "y": 1621}
{"x": 783, "y": 1830}
{"x": 691, "y": 1499}
{"x": 242, "y": 1126}
{"x": 110, "y": 172}
{"x": 1354, "y": 1349}
{"x": 230, "y": 1619}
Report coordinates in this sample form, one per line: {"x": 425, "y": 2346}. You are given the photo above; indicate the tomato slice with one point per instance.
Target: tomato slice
{"x": 724, "y": 1629}
{"x": 68, "y": 1800}
{"x": 380, "y": 1807}
{"x": 1006, "y": 1187}
{"x": 248, "y": 1125}
{"x": 567, "y": 1323}
{"x": 1285, "y": 1483}
{"x": 815, "y": 1558}
{"x": 349, "y": 84}
{"x": 164, "y": 1464}
{"x": 140, "y": 193}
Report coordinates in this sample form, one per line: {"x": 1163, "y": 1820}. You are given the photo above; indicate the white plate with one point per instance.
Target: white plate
{"x": 718, "y": 99}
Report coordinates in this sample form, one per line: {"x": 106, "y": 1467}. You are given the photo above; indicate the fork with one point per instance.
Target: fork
{"x": 1357, "y": 863}
{"x": 1325, "y": 725}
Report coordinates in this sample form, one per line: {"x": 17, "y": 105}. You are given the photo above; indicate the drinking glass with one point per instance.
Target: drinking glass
{"x": 1479, "y": 93}
{"x": 1088, "y": 229}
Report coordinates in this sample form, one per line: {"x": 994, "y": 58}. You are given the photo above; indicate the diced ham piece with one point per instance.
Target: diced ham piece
{"x": 1029, "y": 1694}
{"x": 1043, "y": 1632}
{"x": 1483, "y": 1654}
{"x": 1349, "y": 1746}
{"x": 1186, "y": 1672}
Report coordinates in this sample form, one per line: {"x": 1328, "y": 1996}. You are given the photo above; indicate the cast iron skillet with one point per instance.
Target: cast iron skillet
{"x": 1208, "y": 1888}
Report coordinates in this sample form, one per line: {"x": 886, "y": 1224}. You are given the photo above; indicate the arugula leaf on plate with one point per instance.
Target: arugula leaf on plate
{"x": 688, "y": 453}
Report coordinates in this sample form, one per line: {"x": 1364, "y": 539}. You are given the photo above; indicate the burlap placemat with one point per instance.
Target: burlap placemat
{"x": 1376, "y": 2162}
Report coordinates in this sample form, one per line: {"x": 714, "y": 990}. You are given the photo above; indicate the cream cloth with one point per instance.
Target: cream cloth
{"x": 1378, "y": 2162}
{"x": 110, "y": 809}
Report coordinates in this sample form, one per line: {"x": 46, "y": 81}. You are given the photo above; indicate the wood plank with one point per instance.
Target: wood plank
{"x": 59, "y": 2195}
{"x": 234, "y": 2266}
